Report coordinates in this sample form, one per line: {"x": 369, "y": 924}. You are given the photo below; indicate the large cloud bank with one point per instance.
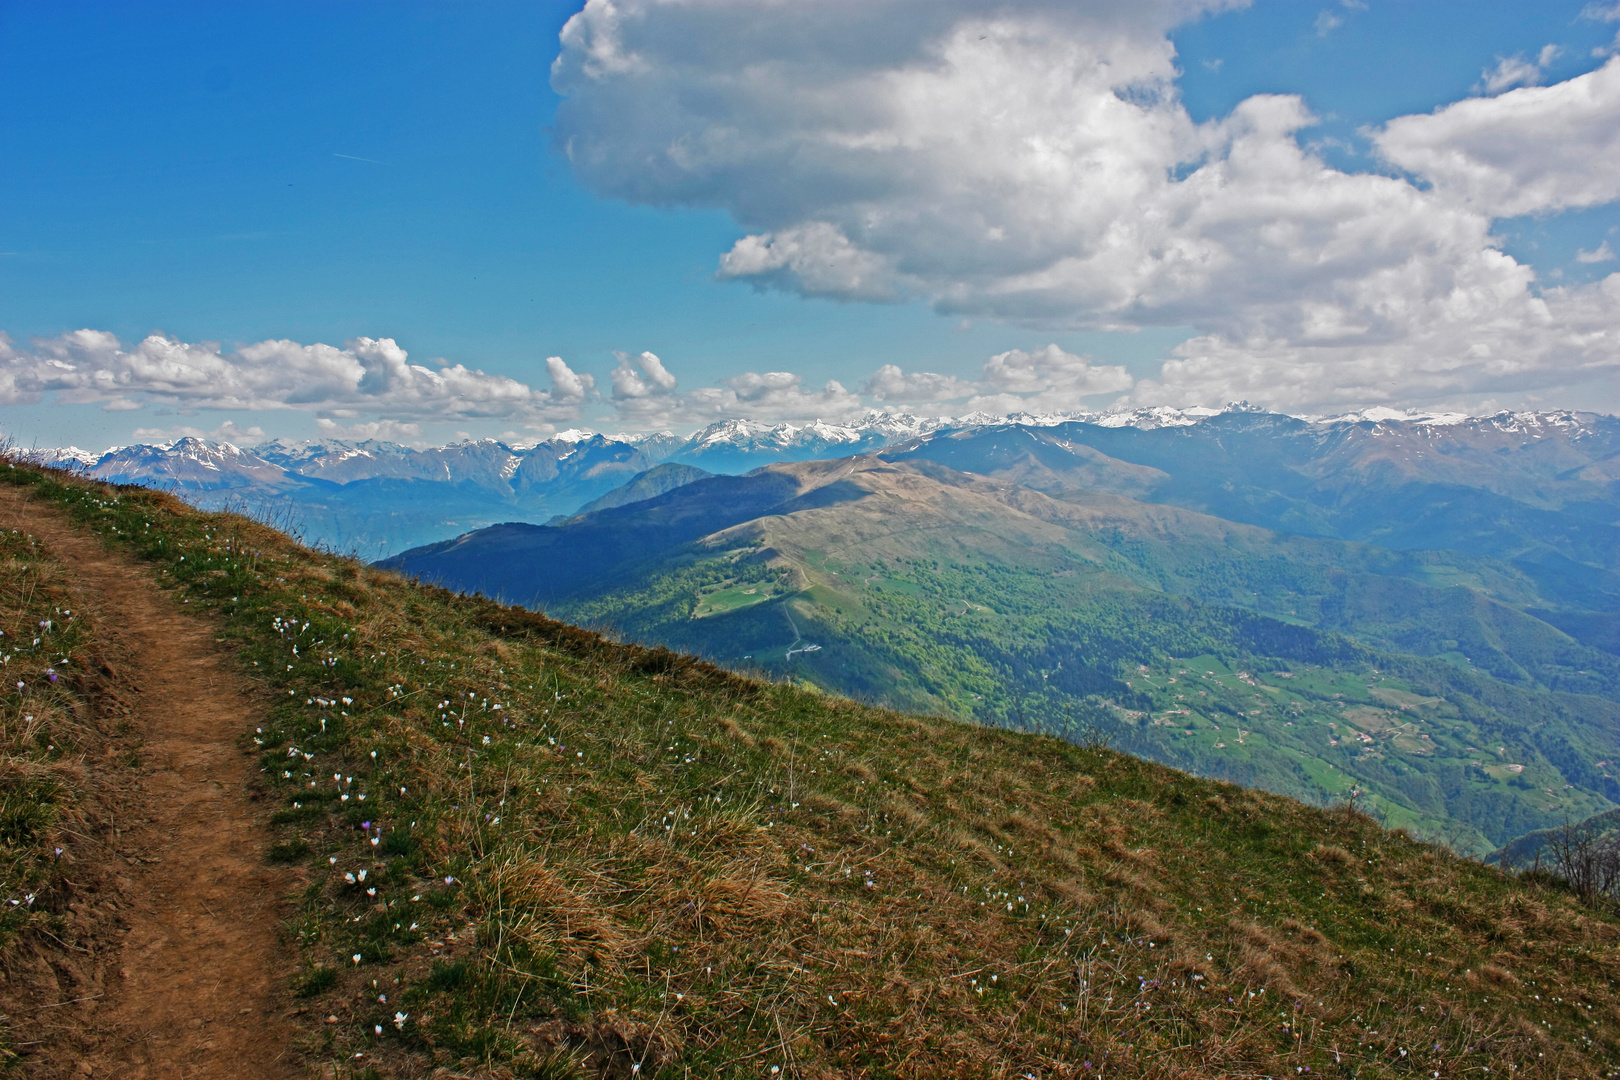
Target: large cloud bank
{"x": 646, "y": 395}
{"x": 367, "y": 377}
{"x": 1031, "y": 161}
{"x": 369, "y": 388}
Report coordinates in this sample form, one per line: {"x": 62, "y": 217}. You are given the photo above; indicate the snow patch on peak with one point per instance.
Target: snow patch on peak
{"x": 737, "y": 432}
{"x": 832, "y": 432}
{"x": 1379, "y": 413}
{"x": 979, "y": 419}
{"x": 1570, "y": 422}
{"x": 58, "y": 457}
{"x": 1158, "y": 416}
{"x": 897, "y": 426}
{"x": 638, "y": 438}
{"x": 1383, "y": 414}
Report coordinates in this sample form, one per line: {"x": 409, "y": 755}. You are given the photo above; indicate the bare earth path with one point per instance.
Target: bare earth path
{"x": 197, "y": 987}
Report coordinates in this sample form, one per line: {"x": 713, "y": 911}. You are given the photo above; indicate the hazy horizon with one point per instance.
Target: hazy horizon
{"x": 522, "y": 218}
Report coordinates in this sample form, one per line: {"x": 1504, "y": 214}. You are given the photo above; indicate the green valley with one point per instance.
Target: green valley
{"x": 1317, "y": 668}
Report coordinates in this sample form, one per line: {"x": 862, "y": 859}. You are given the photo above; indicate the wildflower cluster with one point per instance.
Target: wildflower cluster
{"x": 44, "y": 729}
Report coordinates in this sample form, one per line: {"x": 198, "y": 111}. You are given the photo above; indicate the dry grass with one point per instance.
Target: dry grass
{"x": 63, "y": 768}
{"x": 641, "y": 860}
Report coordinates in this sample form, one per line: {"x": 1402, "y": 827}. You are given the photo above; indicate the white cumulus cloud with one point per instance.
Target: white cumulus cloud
{"x": 366, "y": 377}
{"x": 1531, "y": 150}
{"x": 1032, "y": 162}
{"x": 1604, "y": 13}
{"x": 1051, "y": 371}
{"x": 816, "y": 259}
{"x": 640, "y": 376}
{"x": 229, "y": 432}
{"x": 1512, "y": 342}
{"x": 568, "y": 387}
{"x": 1045, "y": 379}
{"x": 890, "y": 383}
{"x": 1511, "y": 71}
{"x": 359, "y": 431}
{"x": 645, "y": 397}
{"x": 1602, "y": 253}
{"x": 774, "y": 395}
{"x": 771, "y": 396}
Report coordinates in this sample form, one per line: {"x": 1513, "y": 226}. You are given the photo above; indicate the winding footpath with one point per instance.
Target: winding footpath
{"x": 196, "y": 987}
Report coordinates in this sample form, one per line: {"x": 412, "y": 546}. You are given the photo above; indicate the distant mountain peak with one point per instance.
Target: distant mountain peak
{"x": 68, "y": 457}
{"x": 736, "y": 444}
{"x": 1567, "y": 421}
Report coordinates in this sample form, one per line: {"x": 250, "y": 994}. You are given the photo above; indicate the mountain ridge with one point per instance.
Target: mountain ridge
{"x": 1050, "y": 600}
{"x": 378, "y": 498}
{"x": 574, "y": 857}
{"x": 322, "y": 457}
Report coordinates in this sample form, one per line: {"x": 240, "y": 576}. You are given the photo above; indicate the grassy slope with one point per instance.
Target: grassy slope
{"x": 42, "y": 725}
{"x": 941, "y": 599}
{"x": 649, "y": 861}
{"x": 66, "y": 763}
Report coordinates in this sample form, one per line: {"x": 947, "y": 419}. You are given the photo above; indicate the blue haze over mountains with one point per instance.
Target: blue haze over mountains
{"x": 1503, "y": 485}
{"x": 374, "y": 498}
{"x": 1419, "y": 611}
{"x": 1424, "y": 613}
{"x": 1536, "y": 493}
{"x": 1537, "y": 490}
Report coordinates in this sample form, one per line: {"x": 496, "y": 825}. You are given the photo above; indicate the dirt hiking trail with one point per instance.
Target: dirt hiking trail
{"x": 193, "y": 983}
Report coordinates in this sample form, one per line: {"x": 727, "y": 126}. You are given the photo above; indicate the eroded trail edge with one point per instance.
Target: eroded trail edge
{"x": 194, "y": 983}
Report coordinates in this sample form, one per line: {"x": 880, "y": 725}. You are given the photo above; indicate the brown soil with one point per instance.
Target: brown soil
{"x": 183, "y": 966}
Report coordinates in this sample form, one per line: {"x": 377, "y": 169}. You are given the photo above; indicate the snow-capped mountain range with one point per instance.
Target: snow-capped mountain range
{"x": 376, "y": 496}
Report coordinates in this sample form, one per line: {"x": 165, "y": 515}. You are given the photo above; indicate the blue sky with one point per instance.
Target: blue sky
{"x": 326, "y": 172}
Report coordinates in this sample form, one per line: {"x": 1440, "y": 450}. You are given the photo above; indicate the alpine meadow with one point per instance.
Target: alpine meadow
{"x": 515, "y": 848}
{"x": 837, "y": 540}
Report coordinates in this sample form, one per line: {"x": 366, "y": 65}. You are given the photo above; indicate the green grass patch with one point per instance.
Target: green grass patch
{"x": 627, "y": 854}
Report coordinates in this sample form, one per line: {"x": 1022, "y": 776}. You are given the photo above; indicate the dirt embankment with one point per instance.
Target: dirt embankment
{"x": 178, "y": 968}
